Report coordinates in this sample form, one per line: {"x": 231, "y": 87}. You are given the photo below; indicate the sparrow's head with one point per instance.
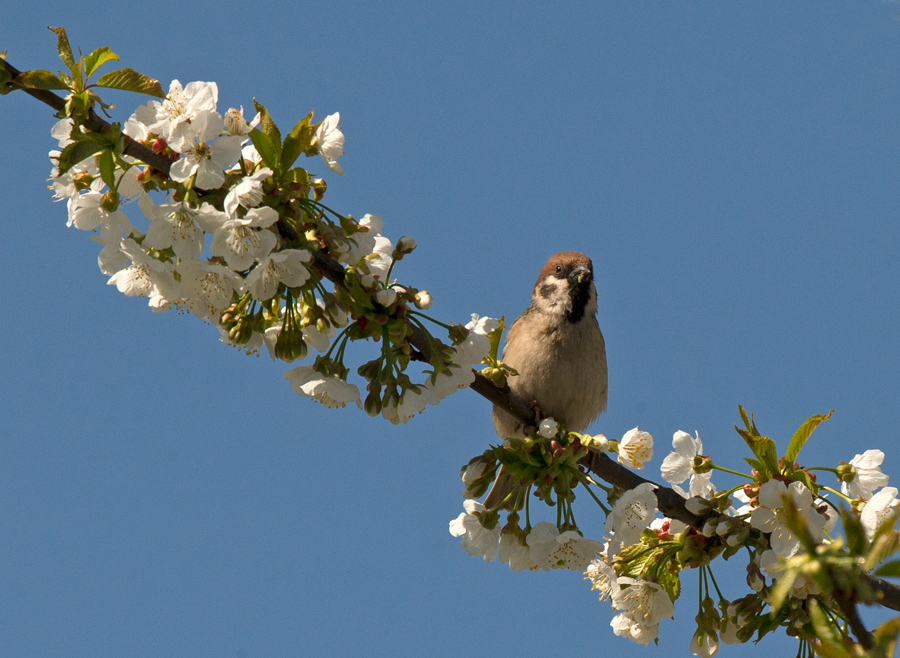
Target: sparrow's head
{"x": 565, "y": 287}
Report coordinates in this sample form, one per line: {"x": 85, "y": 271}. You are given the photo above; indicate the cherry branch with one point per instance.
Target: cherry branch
{"x": 670, "y": 503}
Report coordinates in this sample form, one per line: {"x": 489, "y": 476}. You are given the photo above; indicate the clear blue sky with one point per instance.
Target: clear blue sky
{"x": 731, "y": 168}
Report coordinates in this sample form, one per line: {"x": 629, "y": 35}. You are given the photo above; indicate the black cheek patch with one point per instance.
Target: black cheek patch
{"x": 546, "y": 290}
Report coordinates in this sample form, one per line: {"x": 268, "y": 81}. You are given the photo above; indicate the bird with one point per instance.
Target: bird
{"x": 557, "y": 348}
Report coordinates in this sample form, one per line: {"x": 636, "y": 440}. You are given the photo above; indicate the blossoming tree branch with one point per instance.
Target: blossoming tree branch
{"x": 231, "y": 229}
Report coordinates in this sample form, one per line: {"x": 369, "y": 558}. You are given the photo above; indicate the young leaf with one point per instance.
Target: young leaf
{"x": 886, "y": 638}
{"x": 762, "y": 446}
{"x": 77, "y": 151}
{"x": 297, "y": 141}
{"x": 108, "y": 168}
{"x": 39, "y": 80}
{"x": 267, "y": 151}
{"x": 130, "y": 80}
{"x": 64, "y": 49}
{"x": 802, "y": 434}
{"x": 669, "y": 581}
{"x": 268, "y": 127}
{"x": 97, "y": 58}
{"x": 781, "y": 588}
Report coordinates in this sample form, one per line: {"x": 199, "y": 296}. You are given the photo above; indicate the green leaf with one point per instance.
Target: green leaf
{"x": 107, "y": 165}
{"x": 267, "y": 151}
{"x": 297, "y": 141}
{"x": 39, "y": 80}
{"x": 856, "y": 536}
{"x": 802, "y": 434}
{"x": 130, "y": 80}
{"x": 97, "y": 58}
{"x": 637, "y": 558}
{"x": 64, "y": 49}
{"x": 297, "y": 175}
{"x": 762, "y": 446}
{"x": 781, "y": 588}
{"x": 268, "y": 127}
{"x": 669, "y": 581}
{"x": 754, "y": 464}
{"x": 889, "y": 569}
{"x": 886, "y": 637}
{"x": 77, "y": 151}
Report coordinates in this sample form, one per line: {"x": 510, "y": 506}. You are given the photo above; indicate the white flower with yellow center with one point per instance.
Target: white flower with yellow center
{"x": 603, "y": 578}
{"x": 631, "y": 514}
{"x": 286, "y": 266}
{"x": 635, "y": 449}
{"x": 238, "y": 241}
{"x": 205, "y": 149}
{"x": 774, "y": 497}
{"x": 643, "y": 605}
{"x": 552, "y": 549}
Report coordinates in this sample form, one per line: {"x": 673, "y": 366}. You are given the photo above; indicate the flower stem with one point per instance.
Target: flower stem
{"x": 430, "y": 319}
{"x": 728, "y": 470}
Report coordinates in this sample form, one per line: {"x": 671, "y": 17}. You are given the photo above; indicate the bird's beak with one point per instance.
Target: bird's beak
{"x": 581, "y": 275}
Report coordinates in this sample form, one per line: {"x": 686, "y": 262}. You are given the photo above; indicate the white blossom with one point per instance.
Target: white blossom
{"x": 635, "y": 449}
{"x": 361, "y": 243}
{"x": 877, "y": 509}
{"x": 678, "y": 465}
{"x": 146, "y": 277}
{"x": 247, "y": 193}
{"x": 516, "y": 553}
{"x": 552, "y": 549}
{"x": 207, "y": 289}
{"x": 643, "y": 605}
{"x": 240, "y": 244}
{"x": 286, "y": 266}
{"x": 173, "y": 224}
{"x": 206, "y": 151}
{"x": 631, "y": 514}
{"x": 603, "y": 578}
{"x": 330, "y": 391}
{"x": 868, "y": 476}
{"x": 704, "y": 643}
{"x": 476, "y": 539}
{"x": 774, "y": 495}
{"x": 329, "y": 141}
{"x": 182, "y": 104}
{"x": 477, "y": 344}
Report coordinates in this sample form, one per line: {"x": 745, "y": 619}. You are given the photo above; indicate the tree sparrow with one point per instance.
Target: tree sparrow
{"x": 558, "y": 350}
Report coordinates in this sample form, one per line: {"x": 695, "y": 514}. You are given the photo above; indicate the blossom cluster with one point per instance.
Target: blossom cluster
{"x": 775, "y": 515}
{"x": 231, "y": 235}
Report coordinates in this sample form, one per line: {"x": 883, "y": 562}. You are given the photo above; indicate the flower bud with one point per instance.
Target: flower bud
{"x": 598, "y": 443}
{"x": 319, "y": 186}
{"x": 423, "y": 300}
{"x": 405, "y": 245}
{"x": 846, "y": 472}
{"x": 548, "y": 428}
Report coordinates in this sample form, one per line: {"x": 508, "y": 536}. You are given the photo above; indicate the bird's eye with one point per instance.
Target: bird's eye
{"x": 559, "y": 269}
